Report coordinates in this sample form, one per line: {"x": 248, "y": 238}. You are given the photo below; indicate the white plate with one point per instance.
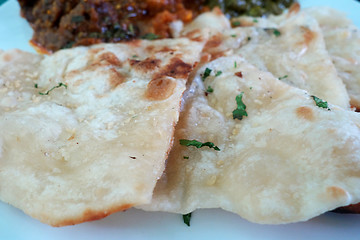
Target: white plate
{"x": 137, "y": 224}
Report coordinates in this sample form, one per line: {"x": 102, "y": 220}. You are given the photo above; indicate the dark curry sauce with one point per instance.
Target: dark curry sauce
{"x": 62, "y": 24}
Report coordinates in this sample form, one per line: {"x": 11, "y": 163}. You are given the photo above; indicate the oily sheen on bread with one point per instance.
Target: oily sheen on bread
{"x": 85, "y": 132}
{"x": 287, "y": 160}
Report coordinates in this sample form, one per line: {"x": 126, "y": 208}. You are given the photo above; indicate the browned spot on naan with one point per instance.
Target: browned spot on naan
{"x": 195, "y": 35}
{"x": 308, "y": 35}
{"x": 160, "y": 88}
{"x": 206, "y": 57}
{"x": 166, "y": 49}
{"x": 216, "y": 55}
{"x": 7, "y": 57}
{"x": 71, "y": 138}
{"x": 96, "y": 50}
{"x": 294, "y": 9}
{"x": 110, "y": 58}
{"x": 115, "y": 78}
{"x": 134, "y": 43}
{"x": 145, "y": 65}
{"x": 176, "y": 69}
{"x": 92, "y": 215}
{"x": 335, "y": 192}
{"x": 244, "y": 23}
{"x": 305, "y": 113}
{"x": 150, "y": 48}
{"x": 213, "y": 42}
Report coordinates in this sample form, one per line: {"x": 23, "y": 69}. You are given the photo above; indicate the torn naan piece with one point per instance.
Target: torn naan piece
{"x": 342, "y": 39}
{"x": 288, "y": 159}
{"x": 293, "y": 50}
{"x": 89, "y": 133}
{"x": 206, "y": 24}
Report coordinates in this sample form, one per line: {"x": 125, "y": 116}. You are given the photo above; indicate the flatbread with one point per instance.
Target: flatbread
{"x": 342, "y": 39}
{"x": 88, "y": 132}
{"x": 291, "y": 47}
{"x": 289, "y": 160}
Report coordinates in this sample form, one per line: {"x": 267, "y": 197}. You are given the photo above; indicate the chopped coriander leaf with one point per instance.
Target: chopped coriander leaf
{"x": 249, "y": 38}
{"x": 283, "y": 77}
{"x": 135, "y": 56}
{"x": 277, "y": 33}
{"x": 320, "y": 103}
{"x": 235, "y": 64}
{"x": 209, "y": 89}
{"x": 36, "y": 85}
{"x": 233, "y": 35}
{"x": 255, "y": 20}
{"x": 187, "y": 218}
{"x": 206, "y": 74}
{"x": 236, "y": 23}
{"x": 198, "y": 144}
{"x": 186, "y": 157}
{"x": 251, "y": 88}
{"x": 240, "y": 111}
{"x": 59, "y": 85}
{"x": 218, "y": 73}
{"x": 150, "y": 36}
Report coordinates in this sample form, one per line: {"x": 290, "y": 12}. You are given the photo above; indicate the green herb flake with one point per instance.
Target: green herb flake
{"x": 59, "y": 85}
{"x": 135, "y": 56}
{"x": 186, "y": 157}
{"x": 240, "y": 111}
{"x": 320, "y": 103}
{"x": 233, "y": 35}
{"x": 277, "y": 33}
{"x": 274, "y": 31}
{"x": 77, "y": 19}
{"x": 235, "y": 64}
{"x": 236, "y": 23}
{"x": 198, "y": 144}
{"x": 187, "y": 218}
{"x": 249, "y": 38}
{"x": 218, "y": 73}
{"x": 206, "y": 74}
{"x": 150, "y": 36}
{"x": 283, "y": 77}
{"x": 255, "y": 20}
{"x": 36, "y": 85}
{"x": 209, "y": 89}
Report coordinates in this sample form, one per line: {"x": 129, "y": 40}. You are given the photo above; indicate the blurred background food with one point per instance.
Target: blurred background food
{"x": 62, "y": 24}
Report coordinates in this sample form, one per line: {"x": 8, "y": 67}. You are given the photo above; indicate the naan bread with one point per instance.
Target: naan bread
{"x": 291, "y": 48}
{"x": 287, "y": 161}
{"x": 88, "y": 133}
{"x": 342, "y": 39}
{"x": 208, "y": 23}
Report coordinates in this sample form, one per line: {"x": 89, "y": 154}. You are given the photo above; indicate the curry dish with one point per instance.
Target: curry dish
{"x": 61, "y": 24}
